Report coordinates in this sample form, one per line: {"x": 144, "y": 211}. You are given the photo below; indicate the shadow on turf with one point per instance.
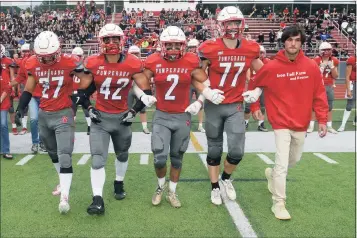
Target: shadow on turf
{"x": 234, "y": 180}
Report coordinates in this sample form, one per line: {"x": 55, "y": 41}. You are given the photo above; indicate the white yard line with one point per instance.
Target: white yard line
{"x": 324, "y": 157}
{"x": 83, "y": 159}
{"x": 25, "y": 159}
{"x": 265, "y": 159}
{"x": 240, "y": 220}
{"x": 144, "y": 159}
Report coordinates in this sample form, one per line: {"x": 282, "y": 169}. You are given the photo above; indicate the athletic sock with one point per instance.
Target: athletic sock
{"x": 88, "y": 121}
{"x": 215, "y": 185}
{"x": 346, "y": 115}
{"x": 161, "y": 182}
{"x": 97, "y": 178}
{"x": 120, "y": 170}
{"x": 172, "y": 186}
{"x": 225, "y": 176}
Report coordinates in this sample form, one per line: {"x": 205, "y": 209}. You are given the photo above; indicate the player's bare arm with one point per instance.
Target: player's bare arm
{"x": 205, "y": 64}
{"x": 85, "y": 77}
{"x": 198, "y": 77}
{"x": 3, "y": 96}
{"x": 348, "y": 83}
{"x": 256, "y": 64}
{"x": 142, "y": 81}
{"x": 30, "y": 84}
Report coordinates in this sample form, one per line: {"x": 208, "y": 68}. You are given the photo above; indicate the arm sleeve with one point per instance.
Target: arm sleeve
{"x": 319, "y": 104}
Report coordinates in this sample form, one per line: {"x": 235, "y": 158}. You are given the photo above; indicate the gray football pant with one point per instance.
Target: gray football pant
{"x": 229, "y": 118}
{"x": 100, "y": 135}
{"x": 351, "y": 103}
{"x": 170, "y": 131}
{"x": 57, "y": 134}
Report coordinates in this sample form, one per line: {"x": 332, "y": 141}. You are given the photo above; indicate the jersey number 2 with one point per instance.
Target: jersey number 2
{"x": 105, "y": 88}
{"x": 47, "y": 86}
{"x": 175, "y": 78}
{"x": 227, "y": 69}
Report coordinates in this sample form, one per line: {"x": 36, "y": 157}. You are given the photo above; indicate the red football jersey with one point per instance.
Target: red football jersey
{"x": 22, "y": 77}
{"x": 113, "y": 81}
{"x": 228, "y": 67}
{"x": 5, "y": 64}
{"x": 352, "y": 61}
{"x": 5, "y": 87}
{"x": 55, "y": 81}
{"x": 328, "y": 80}
{"x": 172, "y": 81}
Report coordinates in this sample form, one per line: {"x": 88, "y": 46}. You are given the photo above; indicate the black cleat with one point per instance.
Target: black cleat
{"x": 42, "y": 147}
{"x": 119, "y": 192}
{"x": 88, "y": 130}
{"x": 261, "y": 127}
{"x": 97, "y": 206}
{"x": 246, "y": 125}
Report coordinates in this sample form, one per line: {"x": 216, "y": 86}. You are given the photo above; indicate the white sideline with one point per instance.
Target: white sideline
{"x": 240, "y": 220}
{"x": 144, "y": 159}
{"x": 83, "y": 159}
{"x": 324, "y": 157}
{"x": 265, "y": 159}
{"x": 25, "y": 159}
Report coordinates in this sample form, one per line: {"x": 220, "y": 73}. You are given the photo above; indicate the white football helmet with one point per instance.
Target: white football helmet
{"x": 192, "y": 45}
{"x": 25, "y": 50}
{"x": 111, "y": 39}
{"x": 135, "y": 50}
{"x": 2, "y": 52}
{"x": 325, "y": 49}
{"x": 172, "y": 34}
{"x": 78, "y": 51}
{"x": 47, "y": 48}
{"x": 230, "y": 14}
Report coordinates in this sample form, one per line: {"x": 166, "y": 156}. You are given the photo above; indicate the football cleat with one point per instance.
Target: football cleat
{"x": 261, "y": 127}
{"x": 42, "y": 147}
{"x": 172, "y": 198}
{"x": 216, "y": 196}
{"x": 201, "y": 129}
{"x": 34, "y": 148}
{"x": 280, "y": 211}
{"x": 97, "y": 206}
{"x": 342, "y": 128}
{"x": 119, "y": 192}
{"x": 146, "y": 131}
{"x": 14, "y": 131}
{"x": 23, "y": 131}
{"x": 310, "y": 129}
{"x": 156, "y": 199}
{"x": 228, "y": 187}
{"x": 331, "y": 130}
{"x": 246, "y": 125}
{"x": 88, "y": 130}
{"x": 63, "y": 206}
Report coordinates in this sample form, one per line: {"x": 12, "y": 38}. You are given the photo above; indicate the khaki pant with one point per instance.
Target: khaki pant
{"x": 289, "y": 148}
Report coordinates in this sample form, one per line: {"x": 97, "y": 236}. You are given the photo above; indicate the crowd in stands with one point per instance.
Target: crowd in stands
{"x": 72, "y": 26}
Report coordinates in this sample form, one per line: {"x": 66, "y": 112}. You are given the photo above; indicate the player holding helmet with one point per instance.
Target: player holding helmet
{"x": 227, "y": 59}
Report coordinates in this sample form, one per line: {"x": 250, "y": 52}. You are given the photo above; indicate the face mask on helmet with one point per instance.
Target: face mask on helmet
{"x": 192, "y": 49}
{"x": 48, "y": 59}
{"x": 326, "y": 52}
{"x": 232, "y": 29}
{"x": 25, "y": 53}
{"x": 111, "y": 45}
{"x": 173, "y": 50}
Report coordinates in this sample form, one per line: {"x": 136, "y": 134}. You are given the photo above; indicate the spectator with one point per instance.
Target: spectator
{"x": 272, "y": 38}
{"x": 261, "y": 37}
{"x": 278, "y": 38}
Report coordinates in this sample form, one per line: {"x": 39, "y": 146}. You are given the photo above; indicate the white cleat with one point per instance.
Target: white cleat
{"x": 201, "y": 129}
{"x": 57, "y": 191}
{"x": 63, "y": 206}
{"x": 230, "y": 191}
{"x": 342, "y": 128}
{"x": 331, "y": 130}
{"x": 216, "y": 196}
{"x": 310, "y": 129}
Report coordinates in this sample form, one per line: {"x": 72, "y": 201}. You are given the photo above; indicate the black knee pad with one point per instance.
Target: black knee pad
{"x": 246, "y": 109}
{"x": 176, "y": 161}
{"x": 123, "y": 156}
{"x": 98, "y": 162}
{"x": 234, "y": 161}
{"x": 160, "y": 161}
{"x": 66, "y": 170}
{"x": 213, "y": 161}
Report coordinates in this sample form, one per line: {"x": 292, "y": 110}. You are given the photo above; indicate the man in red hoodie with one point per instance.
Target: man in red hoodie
{"x": 293, "y": 86}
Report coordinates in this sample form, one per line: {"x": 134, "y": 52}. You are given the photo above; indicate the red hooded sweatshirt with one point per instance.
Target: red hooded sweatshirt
{"x": 291, "y": 91}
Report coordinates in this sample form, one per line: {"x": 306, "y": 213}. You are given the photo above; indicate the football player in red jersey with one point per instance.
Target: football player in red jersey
{"x": 77, "y": 51}
{"x": 227, "y": 58}
{"x": 5, "y": 91}
{"x": 192, "y": 47}
{"x": 33, "y": 105}
{"x": 112, "y": 72}
{"x": 135, "y": 50}
{"x": 350, "y": 91}
{"x": 250, "y": 75}
{"x": 328, "y": 67}
{"x": 6, "y": 63}
{"x": 174, "y": 71}
{"x": 52, "y": 71}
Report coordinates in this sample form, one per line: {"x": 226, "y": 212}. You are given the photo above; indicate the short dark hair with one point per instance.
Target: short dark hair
{"x": 293, "y": 30}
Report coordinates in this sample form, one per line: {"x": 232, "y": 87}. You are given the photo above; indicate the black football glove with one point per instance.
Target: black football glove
{"x": 128, "y": 118}
{"x": 18, "y": 116}
{"x": 94, "y": 115}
